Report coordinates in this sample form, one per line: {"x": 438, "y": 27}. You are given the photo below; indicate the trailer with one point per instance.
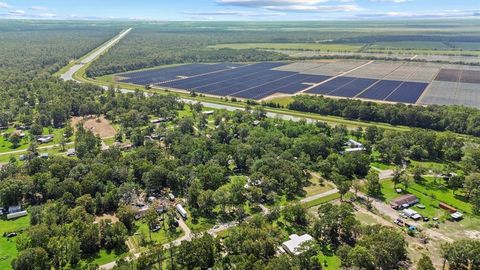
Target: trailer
{"x": 17, "y": 214}
{"x": 181, "y": 211}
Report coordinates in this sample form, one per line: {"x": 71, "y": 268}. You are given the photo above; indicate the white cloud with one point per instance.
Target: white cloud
{"x": 47, "y": 15}
{"x": 4, "y": 5}
{"x": 316, "y": 8}
{"x": 17, "y": 12}
{"x": 38, "y": 8}
{"x": 391, "y": 1}
{"x": 431, "y": 14}
{"x": 295, "y": 5}
{"x": 209, "y": 14}
{"x": 264, "y": 3}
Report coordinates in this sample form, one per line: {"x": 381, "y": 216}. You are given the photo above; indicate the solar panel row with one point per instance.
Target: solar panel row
{"x": 459, "y": 75}
{"x": 172, "y": 73}
{"x": 254, "y": 81}
{"x": 385, "y": 90}
{"x": 408, "y": 92}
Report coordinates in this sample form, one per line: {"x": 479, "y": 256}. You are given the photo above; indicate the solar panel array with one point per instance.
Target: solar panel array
{"x": 257, "y": 81}
{"x": 254, "y": 81}
{"x": 172, "y": 73}
{"x": 383, "y": 90}
{"x": 459, "y": 75}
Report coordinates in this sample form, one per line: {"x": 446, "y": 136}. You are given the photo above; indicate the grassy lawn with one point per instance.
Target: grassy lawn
{"x": 200, "y": 224}
{"x": 317, "y": 187}
{"x": 365, "y": 218}
{"x": 284, "y": 101}
{"x": 109, "y": 141}
{"x": 55, "y": 150}
{"x": 429, "y": 165}
{"x": 322, "y": 200}
{"x": 382, "y": 166}
{"x": 6, "y": 146}
{"x": 8, "y": 249}
{"x": 329, "y": 261}
{"x": 430, "y": 194}
{"x": 293, "y": 46}
{"x": 160, "y": 237}
{"x": 103, "y": 257}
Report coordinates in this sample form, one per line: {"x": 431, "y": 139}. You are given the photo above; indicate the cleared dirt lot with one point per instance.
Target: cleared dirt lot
{"x": 99, "y": 126}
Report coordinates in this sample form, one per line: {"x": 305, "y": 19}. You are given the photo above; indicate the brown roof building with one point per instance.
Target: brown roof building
{"x": 407, "y": 199}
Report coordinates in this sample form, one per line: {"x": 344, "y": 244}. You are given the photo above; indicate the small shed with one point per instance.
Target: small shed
{"x": 457, "y": 216}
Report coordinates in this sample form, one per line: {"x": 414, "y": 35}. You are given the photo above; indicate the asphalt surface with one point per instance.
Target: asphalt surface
{"x": 68, "y": 76}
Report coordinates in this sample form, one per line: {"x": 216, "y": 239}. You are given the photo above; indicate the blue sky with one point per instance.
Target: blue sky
{"x": 252, "y": 10}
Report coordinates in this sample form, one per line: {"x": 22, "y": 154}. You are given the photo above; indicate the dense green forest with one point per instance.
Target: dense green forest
{"x": 28, "y": 49}
{"x": 452, "y": 118}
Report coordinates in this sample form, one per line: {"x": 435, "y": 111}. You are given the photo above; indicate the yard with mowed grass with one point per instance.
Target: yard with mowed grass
{"x": 6, "y": 146}
{"x": 329, "y": 261}
{"x": 430, "y": 193}
{"x": 103, "y": 257}
{"x": 8, "y": 248}
{"x": 293, "y": 46}
{"x": 160, "y": 237}
{"x": 322, "y": 200}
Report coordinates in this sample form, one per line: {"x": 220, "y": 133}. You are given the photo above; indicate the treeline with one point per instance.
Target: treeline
{"x": 441, "y": 118}
{"x": 145, "y": 47}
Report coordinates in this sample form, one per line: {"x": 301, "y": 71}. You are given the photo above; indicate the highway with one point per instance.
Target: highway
{"x": 68, "y": 76}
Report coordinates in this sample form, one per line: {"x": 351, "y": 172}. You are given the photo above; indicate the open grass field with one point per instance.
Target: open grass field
{"x": 416, "y": 45}
{"x": 8, "y": 249}
{"x": 471, "y": 46}
{"x": 430, "y": 193}
{"x": 293, "y": 46}
{"x": 423, "y": 51}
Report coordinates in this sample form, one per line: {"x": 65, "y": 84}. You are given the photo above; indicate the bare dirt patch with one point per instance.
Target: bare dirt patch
{"x": 99, "y": 126}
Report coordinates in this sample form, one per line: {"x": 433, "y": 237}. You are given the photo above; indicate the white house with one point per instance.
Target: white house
{"x": 293, "y": 246}
{"x": 45, "y": 139}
